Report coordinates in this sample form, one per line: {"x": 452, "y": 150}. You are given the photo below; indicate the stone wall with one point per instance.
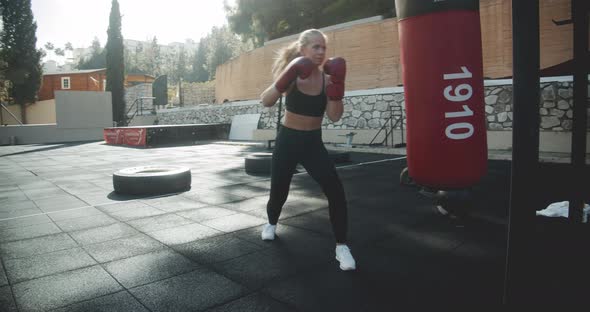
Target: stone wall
{"x": 371, "y": 109}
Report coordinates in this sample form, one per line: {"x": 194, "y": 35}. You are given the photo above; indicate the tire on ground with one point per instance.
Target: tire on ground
{"x": 152, "y": 180}
{"x": 258, "y": 163}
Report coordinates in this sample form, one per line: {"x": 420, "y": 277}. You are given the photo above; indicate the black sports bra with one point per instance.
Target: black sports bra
{"x": 308, "y": 105}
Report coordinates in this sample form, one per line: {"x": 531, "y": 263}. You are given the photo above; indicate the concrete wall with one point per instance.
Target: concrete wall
{"x": 80, "y": 116}
{"x": 83, "y": 109}
{"x": 41, "y": 112}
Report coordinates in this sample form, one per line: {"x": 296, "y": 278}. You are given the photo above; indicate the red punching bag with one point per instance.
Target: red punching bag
{"x": 441, "y": 59}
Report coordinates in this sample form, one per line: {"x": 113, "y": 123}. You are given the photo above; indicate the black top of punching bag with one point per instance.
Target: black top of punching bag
{"x": 409, "y": 8}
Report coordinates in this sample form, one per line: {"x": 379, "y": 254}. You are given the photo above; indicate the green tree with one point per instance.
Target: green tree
{"x": 20, "y": 60}
{"x": 199, "y": 72}
{"x": 153, "y": 58}
{"x": 216, "y": 48}
{"x": 262, "y": 20}
{"x": 116, "y": 65}
{"x": 97, "y": 57}
{"x": 180, "y": 67}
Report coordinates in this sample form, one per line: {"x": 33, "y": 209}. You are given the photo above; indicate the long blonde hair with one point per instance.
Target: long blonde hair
{"x": 288, "y": 53}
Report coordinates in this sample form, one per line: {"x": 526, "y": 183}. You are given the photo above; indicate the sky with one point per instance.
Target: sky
{"x": 80, "y": 21}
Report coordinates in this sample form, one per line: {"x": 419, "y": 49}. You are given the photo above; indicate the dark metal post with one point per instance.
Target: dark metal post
{"x": 525, "y": 148}
{"x": 580, "y": 18}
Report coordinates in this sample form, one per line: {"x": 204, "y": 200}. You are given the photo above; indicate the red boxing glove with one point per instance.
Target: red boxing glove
{"x": 336, "y": 68}
{"x": 300, "y": 66}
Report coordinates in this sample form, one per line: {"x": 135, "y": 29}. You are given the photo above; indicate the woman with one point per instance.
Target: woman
{"x": 309, "y": 94}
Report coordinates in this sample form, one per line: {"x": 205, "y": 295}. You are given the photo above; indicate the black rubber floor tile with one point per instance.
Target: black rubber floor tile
{"x": 63, "y": 289}
{"x": 36, "y": 246}
{"x": 27, "y": 232}
{"x": 205, "y": 213}
{"x": 130, "y": 211}
{"x": 119, "y": 302}
{"x": 6, "y": 300}
{"x": 150, "y": 267}
{"x": 184, "y": 234}
{"x": 159, "y": 222}
{"x": 256, "y": 269}
{"x": 193, "y": 291}
{"x": 74, "y": 213}
{"x": 255, "y": 302}
{"x": 174, "y": 203}
{"x": 3, "y": 279}
{"x": 59, "y": 203}
{"x": 234, "y": 222}
{"x": 326, "y": 289}
{"x": 103, "y": 233}
{"x": 217, "y": 249}
{"x": 123, "y": 248}
{"x": 317, "y": 221}
{"x": 247, "y": 204}
{"x": 83, "y": 223}
{"x": 32, "y": 267}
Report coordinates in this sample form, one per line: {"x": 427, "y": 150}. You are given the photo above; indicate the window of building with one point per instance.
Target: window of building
{"x": 104, "y": 84}
{"x": 65, "y": 82}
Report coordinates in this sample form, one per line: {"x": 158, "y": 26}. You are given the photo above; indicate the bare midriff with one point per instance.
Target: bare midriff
{"x": 302, "y": 122}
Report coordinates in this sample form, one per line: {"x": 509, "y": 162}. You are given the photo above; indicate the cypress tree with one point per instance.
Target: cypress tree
{"x": 20, "y": 60}
{"x": 116, "y": 65}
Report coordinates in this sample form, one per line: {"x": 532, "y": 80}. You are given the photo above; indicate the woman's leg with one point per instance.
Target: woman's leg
{"x": 320, "y": 167}
{"x": 284, "y": 161}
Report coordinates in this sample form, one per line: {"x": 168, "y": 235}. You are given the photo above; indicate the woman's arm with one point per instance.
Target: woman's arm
{"x": 270, "y": 96}
{"x": 334, "y": 110}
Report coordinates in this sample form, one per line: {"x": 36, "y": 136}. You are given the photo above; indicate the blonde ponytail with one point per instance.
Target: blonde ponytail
{"x": 290, "y": 52}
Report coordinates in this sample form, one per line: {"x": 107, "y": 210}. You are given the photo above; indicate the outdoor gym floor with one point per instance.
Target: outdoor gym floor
{"x": 67, "y": 242}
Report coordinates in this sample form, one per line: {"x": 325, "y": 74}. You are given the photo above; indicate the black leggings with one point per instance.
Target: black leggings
{"x": 306, "y": 147}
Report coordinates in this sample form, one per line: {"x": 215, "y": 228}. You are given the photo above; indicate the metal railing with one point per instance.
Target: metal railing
{"x": 137, "y": 108}
{"x": 11, "y": 114}
{"x": 389, "y": 131}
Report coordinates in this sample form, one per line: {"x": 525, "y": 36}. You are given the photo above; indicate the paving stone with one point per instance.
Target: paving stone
{"x": 36, "y": 246}
{"x": 6, "y": 300}
{"x": 46, "y": 264}
{"x": 183, "y": 234}
{"x": 151, "y": 267}
{"x": 32, "y": 231}
{"x": 63, "y": 289}
{"x": 217, "y": 249}
{"x": 255, "y": 302}
{"x": 119, "y": 302}
{"x": 103, "y": 233}
{"x": 193, "y": 291}
{"x": 122, "y": 248}
{"x": 234, "y": 222}
{"x": 158, "y": 222}
{"x": 77, "y": 224}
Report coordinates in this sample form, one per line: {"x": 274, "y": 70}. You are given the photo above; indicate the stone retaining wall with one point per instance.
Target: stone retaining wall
{"x": 371, "y": 109}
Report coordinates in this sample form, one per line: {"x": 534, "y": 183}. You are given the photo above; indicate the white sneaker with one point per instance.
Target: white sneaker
{"x": 346, "y": 260}
{"x": 268, "y": 232}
